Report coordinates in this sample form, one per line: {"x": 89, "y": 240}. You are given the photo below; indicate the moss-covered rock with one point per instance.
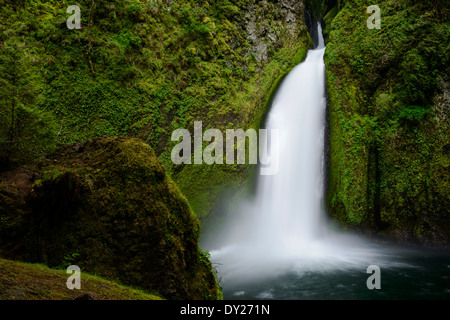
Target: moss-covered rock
{"x": 388, "y": 110}
{"x": 273, "y": 35}
{"x": 142, "y": 69}
{"x": 107, "y": 206}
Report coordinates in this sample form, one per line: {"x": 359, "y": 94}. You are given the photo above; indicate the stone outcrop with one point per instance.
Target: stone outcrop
{"x": 107, "y": 206}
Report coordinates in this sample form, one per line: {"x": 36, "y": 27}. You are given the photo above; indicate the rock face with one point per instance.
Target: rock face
{"x": 153, "y": 67}
{"x": 269, "y": 38}
{"x": 107, "y": 206}
{"x": 388, "y": 111}
{"x": 266, "y": 22}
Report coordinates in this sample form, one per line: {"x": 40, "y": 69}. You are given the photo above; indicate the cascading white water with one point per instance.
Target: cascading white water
{"x": 279, "y": 244}
{"x": 284, "y": 225}
{"x": 287, "y": 207}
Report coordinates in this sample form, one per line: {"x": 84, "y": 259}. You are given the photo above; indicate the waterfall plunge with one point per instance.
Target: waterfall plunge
{"x": 284, "y": 226}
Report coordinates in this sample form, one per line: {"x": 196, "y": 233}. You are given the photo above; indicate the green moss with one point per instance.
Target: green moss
{"x": 113, "y": 211}
{"x": 204, "y": 185}
{"x": 26, "y": 281}
{"x": 385, "y": 99}
{"x": 143, "y": 70}
{"x": 105, "y": 79}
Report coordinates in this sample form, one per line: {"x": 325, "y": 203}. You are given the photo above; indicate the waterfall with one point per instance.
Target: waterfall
{"x": 279, "y": 244}
{"x": 289, "y": 203}
{"x": 284, "y": 224}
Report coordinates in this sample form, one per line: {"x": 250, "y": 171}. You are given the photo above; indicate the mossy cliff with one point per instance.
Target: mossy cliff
{"x": 389, "y": 101}
{"x": 271, "y": 37}
{"x": 142, "y": 69}
{"x": 139, "y": 69}
{"x": 107, "y": 206}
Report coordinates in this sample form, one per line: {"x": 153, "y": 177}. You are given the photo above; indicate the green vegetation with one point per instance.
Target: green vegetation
{"x": 142, "y": 69}
{"x": 388, "y": 95}
{"x": 27, "y": 281}
{"x": 86, "y": 118}
{"x": 138, "y": 69}
{"x": 107, "y": 206}
{"x": 205, "y": 257}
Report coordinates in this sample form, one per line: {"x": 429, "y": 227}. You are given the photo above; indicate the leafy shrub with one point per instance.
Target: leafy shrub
{"x": 413, "y": 114}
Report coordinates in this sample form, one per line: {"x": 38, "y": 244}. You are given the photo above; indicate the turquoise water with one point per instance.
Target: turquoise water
{"x": 405, "y": 273}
